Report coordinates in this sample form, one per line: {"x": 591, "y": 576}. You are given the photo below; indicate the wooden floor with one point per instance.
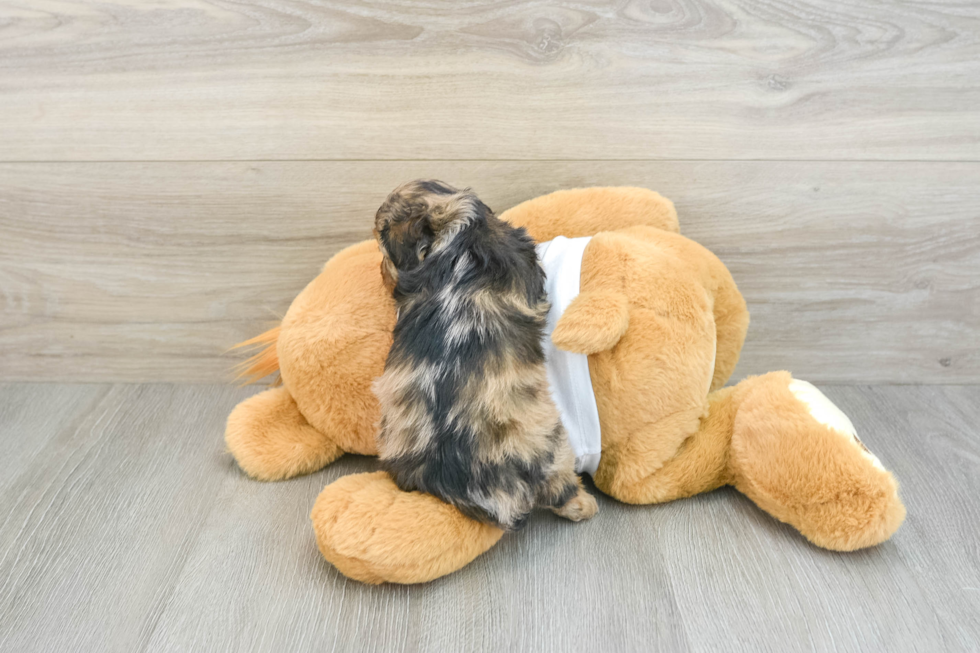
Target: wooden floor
{"x": 126, "y": 527}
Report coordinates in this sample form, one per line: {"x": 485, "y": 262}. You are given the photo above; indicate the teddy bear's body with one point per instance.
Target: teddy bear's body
{"x": 661, "y": 322}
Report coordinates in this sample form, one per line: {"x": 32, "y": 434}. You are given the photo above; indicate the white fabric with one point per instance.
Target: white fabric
{"x": 827, "y": 413}
{"x": 568, "y": 373}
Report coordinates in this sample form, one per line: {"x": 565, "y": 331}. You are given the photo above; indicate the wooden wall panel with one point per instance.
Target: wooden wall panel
{"x": 592, "y": 79}
{"x": 861, "y": 271}
{"x": 172, "y": 172}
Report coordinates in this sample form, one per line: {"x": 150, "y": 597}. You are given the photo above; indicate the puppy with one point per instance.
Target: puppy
{"x": 466, "y": 414}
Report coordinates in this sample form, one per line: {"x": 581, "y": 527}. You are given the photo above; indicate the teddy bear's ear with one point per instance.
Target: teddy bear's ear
{"x": 593, "y": 322}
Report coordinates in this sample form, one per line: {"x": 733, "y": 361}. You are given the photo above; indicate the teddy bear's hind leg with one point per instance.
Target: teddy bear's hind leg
{"x": 699, "y": 465}
{"x": 798, "y": 457}
{"x": 271, "y": 440}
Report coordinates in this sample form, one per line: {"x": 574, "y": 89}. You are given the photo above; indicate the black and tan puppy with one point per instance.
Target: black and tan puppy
{"x": 466, "y": 414}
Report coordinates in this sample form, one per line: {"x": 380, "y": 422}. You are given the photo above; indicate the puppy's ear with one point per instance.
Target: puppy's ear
{"x": 389, "y": 274}
{"x": 409, "y": 241}
{"x": 424, "y": 235}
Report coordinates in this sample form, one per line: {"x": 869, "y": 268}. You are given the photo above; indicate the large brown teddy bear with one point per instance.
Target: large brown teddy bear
{"x": 662, "y": 323}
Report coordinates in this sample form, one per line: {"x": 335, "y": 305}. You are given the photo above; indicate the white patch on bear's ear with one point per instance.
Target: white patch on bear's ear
{"x": 827, "y": 413}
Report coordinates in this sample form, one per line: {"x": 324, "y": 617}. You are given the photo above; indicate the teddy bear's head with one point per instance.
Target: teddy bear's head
{"x": 333, "y": 343}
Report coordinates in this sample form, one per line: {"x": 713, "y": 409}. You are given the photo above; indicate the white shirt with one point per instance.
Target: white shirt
{"x": 568, "y": 373}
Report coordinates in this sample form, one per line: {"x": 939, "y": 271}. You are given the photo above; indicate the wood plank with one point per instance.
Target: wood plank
{"x": 150, "y": 271}
{"x": 288, "y": 79}
{"x": 97, "y": 525}
{"x": 36, "y": 414}
{"x": 132, "y": 531}
{"x": 705, "y": 574}
{"x": 529, "y": 593}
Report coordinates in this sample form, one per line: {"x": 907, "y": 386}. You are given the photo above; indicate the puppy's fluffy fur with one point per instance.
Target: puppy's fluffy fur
{"x": 466, "y": 411}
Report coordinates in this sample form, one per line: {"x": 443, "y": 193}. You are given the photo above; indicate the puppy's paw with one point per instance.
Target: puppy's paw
{"x": 580, "y": 507}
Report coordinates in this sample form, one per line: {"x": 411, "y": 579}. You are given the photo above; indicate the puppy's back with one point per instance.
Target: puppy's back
{"x": 466, "y": 411}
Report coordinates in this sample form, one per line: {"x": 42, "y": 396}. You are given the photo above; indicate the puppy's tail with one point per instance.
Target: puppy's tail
{"x": 263, "y": 362}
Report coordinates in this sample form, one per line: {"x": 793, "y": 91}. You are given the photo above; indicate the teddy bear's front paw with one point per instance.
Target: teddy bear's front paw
{"x": 271, "y": 440}
{"x": 373, "y": 532}
{"x": 593, "y": 322}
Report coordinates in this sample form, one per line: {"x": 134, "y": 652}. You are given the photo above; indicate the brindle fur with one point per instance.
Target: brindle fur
{"x": 466, "y": 414}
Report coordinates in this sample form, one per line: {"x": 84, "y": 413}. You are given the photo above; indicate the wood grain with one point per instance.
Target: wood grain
{"x": 661, "y": 79}
{"x": 150, "y": 271}
{"x": 97, "y": 524}
{"x": 127, "y": 528}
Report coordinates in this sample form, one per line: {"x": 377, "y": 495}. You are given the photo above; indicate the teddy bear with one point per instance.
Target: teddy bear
{"x": 660, "y": 323}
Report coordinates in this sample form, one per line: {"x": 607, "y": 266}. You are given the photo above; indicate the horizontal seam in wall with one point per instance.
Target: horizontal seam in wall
{"x": 328, "y": 160}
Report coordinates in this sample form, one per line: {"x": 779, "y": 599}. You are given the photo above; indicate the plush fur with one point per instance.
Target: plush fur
{"x": 264, "y": 361}
{"x": 662, "y": 322}
{"x": 376, "y": 538}
{"x": 466, "y": 414}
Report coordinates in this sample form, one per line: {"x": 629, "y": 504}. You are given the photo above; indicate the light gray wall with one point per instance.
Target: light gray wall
{"x": 171, "y": 175}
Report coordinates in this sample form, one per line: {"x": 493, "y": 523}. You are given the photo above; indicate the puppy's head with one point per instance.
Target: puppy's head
{"x": 418, "y": 219}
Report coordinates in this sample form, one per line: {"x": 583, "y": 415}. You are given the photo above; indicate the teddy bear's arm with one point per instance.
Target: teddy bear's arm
{"x": 375, "y": 533}
{"x": 271, "y": 440}
{"x": 599, "y": 316}
{"x": 593, "y": 322}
